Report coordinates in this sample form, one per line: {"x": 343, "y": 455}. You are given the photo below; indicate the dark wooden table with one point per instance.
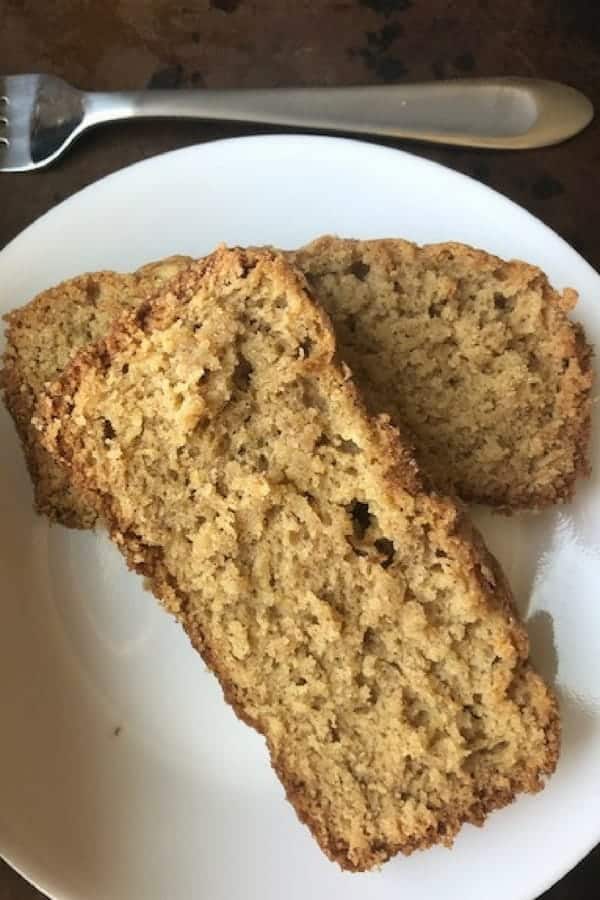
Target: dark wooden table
{"x": 113, "y": 44}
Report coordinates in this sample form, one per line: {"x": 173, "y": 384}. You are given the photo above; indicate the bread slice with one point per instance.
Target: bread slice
{"x": 475, "y": 355}
{"x": 355, "y": 620}
{"x": 41, "y": 338}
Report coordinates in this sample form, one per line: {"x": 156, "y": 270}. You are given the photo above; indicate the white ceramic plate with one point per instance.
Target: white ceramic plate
{"x": 123, "y": 774}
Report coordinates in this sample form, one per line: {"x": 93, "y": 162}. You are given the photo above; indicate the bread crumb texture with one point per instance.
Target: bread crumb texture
{"x": 475, "y": 355}
{"x": 41, "y": 338}
{"x": 354, "y": 619}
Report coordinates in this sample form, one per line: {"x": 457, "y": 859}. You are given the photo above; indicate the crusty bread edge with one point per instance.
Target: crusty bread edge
{"x": 403, "y": 474}
{"x": 20, "y": 399}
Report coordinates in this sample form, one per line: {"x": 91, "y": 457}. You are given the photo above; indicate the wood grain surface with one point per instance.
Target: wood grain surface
{"x": 111, "y": 44}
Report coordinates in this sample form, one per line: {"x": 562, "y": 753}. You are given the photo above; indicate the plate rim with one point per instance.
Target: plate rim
{"x": 293, "y": 139}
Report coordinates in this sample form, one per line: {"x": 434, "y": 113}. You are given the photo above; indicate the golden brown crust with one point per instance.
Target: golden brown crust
{"x": 401, "y": 478}
{"x": 496, "y": 458}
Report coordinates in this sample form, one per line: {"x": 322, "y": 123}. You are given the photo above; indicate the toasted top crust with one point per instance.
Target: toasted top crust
{"x": 352, "y": 616}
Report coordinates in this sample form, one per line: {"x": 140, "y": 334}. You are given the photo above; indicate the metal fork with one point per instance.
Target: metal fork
{"x": 41, "y": 115}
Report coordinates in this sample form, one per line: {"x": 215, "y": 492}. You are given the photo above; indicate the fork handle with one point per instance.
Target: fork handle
{"x": 503, "y": 113}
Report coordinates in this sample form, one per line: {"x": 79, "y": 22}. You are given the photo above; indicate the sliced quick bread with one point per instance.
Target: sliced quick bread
{"x": 353, "y": 617}
{"x": 476, "y": 356}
